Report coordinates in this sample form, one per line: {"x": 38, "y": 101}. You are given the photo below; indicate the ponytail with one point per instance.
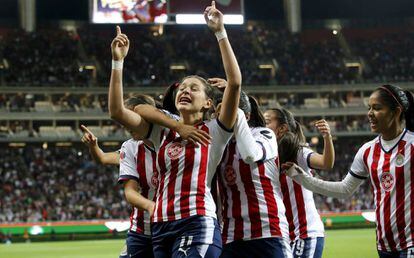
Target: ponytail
{"x": 299, "y": 132}
{"x": 168, "y": 102}
{"x": 288, "y": 147}
{"x": 256, "y": 116}
{"x": 409, "y": 113}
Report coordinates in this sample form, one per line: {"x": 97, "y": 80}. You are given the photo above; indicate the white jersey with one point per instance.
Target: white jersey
{"x": 137, "y": 162}
{"x": 186, "y": 171}
{"x": 252, "y": 205}
{"x": 302, "y": 215}
{"x": 392, "y": 180}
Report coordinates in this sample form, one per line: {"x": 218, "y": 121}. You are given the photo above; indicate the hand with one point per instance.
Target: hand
{"x": 151, "y": 208}
{"x": 193, "y": 135}
{"x": 119, "y": 45}
{"x": 214, "y": 18}
{"x": 221, "y": 84}
{"x": 88, "y": 137}
{"x": 323, "y": 127}
{"x": 291, "y": 169}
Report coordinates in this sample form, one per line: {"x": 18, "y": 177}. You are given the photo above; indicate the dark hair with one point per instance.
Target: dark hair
{"x": 394, "y": 97}
{"x": 286, "y": 117}
{"x": 256, "y": 116}
{"x": 288, "y": 147}
{"x": 168, "y": 101}
{"x": 138, "y": 99}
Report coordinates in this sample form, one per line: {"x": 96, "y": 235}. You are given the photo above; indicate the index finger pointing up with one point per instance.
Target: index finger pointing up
{"x": 118, "y": 30}
{"x": 213, "y": 4}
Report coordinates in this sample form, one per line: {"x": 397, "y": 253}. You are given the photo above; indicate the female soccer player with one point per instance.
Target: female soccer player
{"x": 388, "y": 161}
{"x": 184, "y": 222}
{"x": 306, "y": 229}
{"x": 139, "y": 175}
{"x": 253, "y": 214}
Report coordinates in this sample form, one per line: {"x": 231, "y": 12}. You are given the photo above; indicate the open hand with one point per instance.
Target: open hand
{"x": 119, "y": 45}
{"x": 291, "y": 169}
{"x": 221, "y": 84}
{"x": 193, "y": 135}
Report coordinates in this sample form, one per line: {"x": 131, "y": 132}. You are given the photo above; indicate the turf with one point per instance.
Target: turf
{"x": 355, "y": 243}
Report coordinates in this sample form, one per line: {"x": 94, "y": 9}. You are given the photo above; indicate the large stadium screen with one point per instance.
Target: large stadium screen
{"x": 129, "y": 11}
{"x": 190, "y": 11}
{"x": 162, "y": 11}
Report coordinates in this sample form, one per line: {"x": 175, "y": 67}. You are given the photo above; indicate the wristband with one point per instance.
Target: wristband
{"x": 222, "y": 34}
{"x": 117, "y": 65}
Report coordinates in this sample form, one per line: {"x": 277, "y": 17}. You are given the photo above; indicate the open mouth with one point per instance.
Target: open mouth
{"x": 184, "y": 100}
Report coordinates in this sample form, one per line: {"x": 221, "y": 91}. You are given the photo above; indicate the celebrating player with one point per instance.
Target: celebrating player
{"x": 253, "y": 214}
{"x": 306, "y": 229}
{"x": 184, "y": 220}
{"x": 388, "y": 161}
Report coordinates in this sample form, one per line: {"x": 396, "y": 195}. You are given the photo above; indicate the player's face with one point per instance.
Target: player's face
{"x": 380, "y": 116}
{"x": 191, "y": 96}
{"x": 273, "y": 123}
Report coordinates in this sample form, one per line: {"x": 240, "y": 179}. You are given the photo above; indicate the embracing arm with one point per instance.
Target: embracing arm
{"x": 325, "y": 160}
{"x": 134, "y": 197}
{"x": 155, "y": 116}
{"x": 342, "y": 189}
{"x": 117, "y": 110}
{"x": 231, "y": 96}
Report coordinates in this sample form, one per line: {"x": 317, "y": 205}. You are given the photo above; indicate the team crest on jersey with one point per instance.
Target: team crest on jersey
{"x": 230, "y": 175}
{"x": 387, "y": 181}
{"x": 399, "y": 160}
{"x": 154, "y": 179}
{"x": 175, "y": 150}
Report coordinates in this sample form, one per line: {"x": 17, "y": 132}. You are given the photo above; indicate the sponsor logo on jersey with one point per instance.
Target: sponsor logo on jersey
{"x": 175, "y": 150}
{"x": 387, "y": 181}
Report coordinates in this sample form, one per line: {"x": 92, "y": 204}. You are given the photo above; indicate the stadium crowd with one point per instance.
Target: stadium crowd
{"x": 63, "y": 183}
{"x": 310, "y": 57}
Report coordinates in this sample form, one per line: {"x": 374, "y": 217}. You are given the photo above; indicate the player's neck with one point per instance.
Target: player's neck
{"x": 392, "y": 134}
{"x": 191, "y": 118}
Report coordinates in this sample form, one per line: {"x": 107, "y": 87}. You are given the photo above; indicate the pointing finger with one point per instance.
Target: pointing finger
{"x": 118, "y": 30}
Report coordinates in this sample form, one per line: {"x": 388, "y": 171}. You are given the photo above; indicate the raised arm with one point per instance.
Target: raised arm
{"x": 118, "y": 112}
{"x": 101, "y": 157}
{"x": 325, "y": 160}
{"x": 342, "y": 189}
{"x": 228, "y": 114}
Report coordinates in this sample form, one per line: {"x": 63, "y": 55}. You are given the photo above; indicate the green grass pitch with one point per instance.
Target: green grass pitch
{"x": 355, "y": 243}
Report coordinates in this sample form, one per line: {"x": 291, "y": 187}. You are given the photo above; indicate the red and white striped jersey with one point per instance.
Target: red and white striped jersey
{"x": 137, "y": 162}
{"x": 301, "y": 213}
{"x": 251, "y": 198}
{"x": 186, "y": 172}
{"x": 392, "y": 180}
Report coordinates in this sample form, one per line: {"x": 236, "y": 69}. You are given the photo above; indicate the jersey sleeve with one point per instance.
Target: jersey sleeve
{"x": 250, "y": 151}
{"x": 127, "y": 162}
{"x": 306, "y": 154}
{"x": 358, "y": 168}
{"x": 220, "y": 136}
{"x": 266, "y": 139}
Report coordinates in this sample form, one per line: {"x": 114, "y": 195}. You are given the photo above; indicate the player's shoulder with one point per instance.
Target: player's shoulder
{"x": 131, "y": 144}
{"x": 409, "y": 136}
{"x": 370, "y": 144}
{"x": 263, "y": 131}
